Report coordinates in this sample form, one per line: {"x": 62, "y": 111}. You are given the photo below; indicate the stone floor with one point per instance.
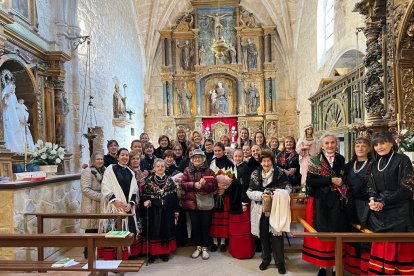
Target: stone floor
{"x": 219, "y": 264}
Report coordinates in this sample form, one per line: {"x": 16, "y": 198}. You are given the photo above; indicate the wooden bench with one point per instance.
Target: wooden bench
{"x": 40, "y": 217}
{"x": 91, "y": 241}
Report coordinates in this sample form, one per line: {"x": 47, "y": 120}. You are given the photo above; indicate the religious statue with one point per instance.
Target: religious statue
{"x": 13, "y": 134}
{"x": 184, "y": 97}
{"x": 207, "y": 133}
{"x": 202, "y": 55}
{"x": 247, "y": 19}
{"x": 23, "y": 115}
{"x": 186, "y": 54}
{"x": 119, "y": 103}
{"x": 233, "y": 134}
{"x": 217, "y": 24}
{"x": 219, "y": 100}
{"x": 252, "y": 99}
{"x": 232, "y": 52}
{"x": 250, "y": 55}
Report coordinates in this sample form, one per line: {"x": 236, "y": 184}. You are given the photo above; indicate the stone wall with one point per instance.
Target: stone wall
{"x": 60, "y": 197}
{"x": 308, "y": 74}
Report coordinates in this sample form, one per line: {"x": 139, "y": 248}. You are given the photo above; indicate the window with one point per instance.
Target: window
{"x": 329, "y": 24}
{"x": 325, "y": 28}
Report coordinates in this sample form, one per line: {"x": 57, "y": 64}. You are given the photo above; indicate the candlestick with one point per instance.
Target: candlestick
{"x": 398, "y": 123}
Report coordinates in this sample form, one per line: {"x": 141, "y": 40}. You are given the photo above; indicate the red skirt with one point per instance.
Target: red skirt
{"x": 109, "y": 253}
{"x": 356, "y": 262}
{"x": 158, "y": 248}
{"x": 220, "y": 221}
{"x": 392, "y": 258}
{"x": 241, "y": 241}
{"x": 315, "y": 251}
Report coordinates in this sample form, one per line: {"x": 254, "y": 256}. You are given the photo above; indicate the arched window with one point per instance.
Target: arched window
{"x": 325, "y": 25}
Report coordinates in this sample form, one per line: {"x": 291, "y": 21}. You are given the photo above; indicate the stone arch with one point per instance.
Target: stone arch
{"x": 26, "y": 89}
{"x": 347, "y": 58}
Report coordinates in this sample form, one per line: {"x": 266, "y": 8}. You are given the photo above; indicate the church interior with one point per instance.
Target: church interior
{"x": 77, "y": 74}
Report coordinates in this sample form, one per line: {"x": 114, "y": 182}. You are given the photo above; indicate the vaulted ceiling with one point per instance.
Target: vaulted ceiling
{"x": 153, "y": 15}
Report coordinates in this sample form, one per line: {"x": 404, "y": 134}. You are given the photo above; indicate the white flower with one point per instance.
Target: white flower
{"x": 58, "y": 161}
{"x": 35, "y": 154}
{"x": 55, "y": 146}
{"x": 61, "y": 156}
{"x": 39, "y": 143}
{"x": 48, "y": 145}
{"x": 43, "y": 156}
{"x": 411, "y": 140}
{"x": 53, "y": 152}
{"x": 60, "y": 150}
{"x": 404, "y": 131}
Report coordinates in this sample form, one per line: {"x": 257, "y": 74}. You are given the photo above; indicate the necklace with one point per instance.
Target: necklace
{"x": 363, "y": 165}
{"x": 389, "y": 160}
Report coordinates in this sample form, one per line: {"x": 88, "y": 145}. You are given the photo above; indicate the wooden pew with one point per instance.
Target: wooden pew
{"x": 40, "y": 217}
{"x": 91, "y": 241}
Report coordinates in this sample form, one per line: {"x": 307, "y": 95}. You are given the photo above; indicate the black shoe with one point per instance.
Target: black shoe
{"x": 151, "y": 259}
{"x": 214, "y": 247}
{"x": 322, "y": 272}
{"x": 263, "y": 265}
{"x": 333, "y": 273}
{"x": 281, "y": 269}
{"x": 223, "y": 247}
{"x": 164, "y": 257}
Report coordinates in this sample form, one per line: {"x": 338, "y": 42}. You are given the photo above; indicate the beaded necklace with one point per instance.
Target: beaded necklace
{"x": 389, "y": 160}
{"x": 360, "y": 169}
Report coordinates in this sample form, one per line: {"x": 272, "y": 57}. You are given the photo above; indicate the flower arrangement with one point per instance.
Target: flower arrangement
{"x": 224, "y": 179}
{"x": 405, "y": 140}
{"x": 46, "y": 153}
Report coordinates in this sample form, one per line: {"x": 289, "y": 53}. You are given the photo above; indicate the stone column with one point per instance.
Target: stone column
{"x": 169, "y": 42}
{"x": 239, "y": 51}
{"x": 268, "y": 32}
{"x": 273, "y": 82}
{"x": 164, "y": 99}
{"x": 268, "y": 100}
{"x": 59, "y": 113}
{"x": 198, "y": 97}
{"x": 240, "y": 96}
{"x": 170, "y": 98}
{"x": 197, "y": 60}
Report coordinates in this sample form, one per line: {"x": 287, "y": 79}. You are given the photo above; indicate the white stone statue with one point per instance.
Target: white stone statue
{"x": 13, "y": 136}
{"x": 23, "y": 115}
{"x": 184, "y": 97}
{"x": 219, "y": 100}
{"x": 119, "y": 103}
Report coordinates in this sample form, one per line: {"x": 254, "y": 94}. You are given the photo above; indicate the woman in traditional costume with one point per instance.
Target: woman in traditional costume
{"x": 390, "y": 189}
{"x": 165, "y": 144}
{"x": 241, "y": 241}
{"x": 357, "y": 173}
{"x": 306, "y": 147}
{"x": 120, "y": 195}
{"x": 327, "y": 195}
{"x": 161, "y": 213}
{"x": 220, "y": 217}
{"x": 90, "y": 184}
{"x": 288, "y": 161}
{"x": 111, "y": 157}
{"x": 268, "y": 178}
{"x": 147, "y": 163}
{"x": 244, "y": 139}
{"x": 198, "y": 178}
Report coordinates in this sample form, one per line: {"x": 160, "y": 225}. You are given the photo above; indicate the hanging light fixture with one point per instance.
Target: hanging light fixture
{"x": 89, "y": 119}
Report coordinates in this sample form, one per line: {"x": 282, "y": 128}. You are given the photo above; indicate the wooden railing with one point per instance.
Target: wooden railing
{"x": 339, "y": 238}
{"x": 42, "y": 216}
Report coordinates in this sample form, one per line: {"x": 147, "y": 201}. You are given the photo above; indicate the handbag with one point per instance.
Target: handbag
{"x": 204, "y": 202}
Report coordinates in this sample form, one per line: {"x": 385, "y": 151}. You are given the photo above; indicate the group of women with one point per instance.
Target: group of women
{"x": 222, "y": 189}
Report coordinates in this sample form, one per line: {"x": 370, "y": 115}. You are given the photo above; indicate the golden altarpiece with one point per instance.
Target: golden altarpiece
{"x": 219, "y": 71}
{"x": 38, "y": 73}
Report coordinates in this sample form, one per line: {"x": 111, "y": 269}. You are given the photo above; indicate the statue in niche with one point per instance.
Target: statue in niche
{"x": 232, "y": 52}
{"x": 23, "y": 115}
{"x": 252, "y": 99}
{"x": 184, "y": 97}
{"x": 202, "y": 55}
{"x": 250, "y": 55}
{"x": 186, "y": 54}
{"x": 119, "y": 103}
{"x": 13, "y": 135}
{"x": 217, "y": 24}
{"x": 219, "y": 100}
